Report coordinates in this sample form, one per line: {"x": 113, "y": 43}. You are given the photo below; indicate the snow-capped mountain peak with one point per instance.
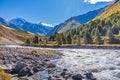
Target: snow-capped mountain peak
{"x": 46, "y": 24}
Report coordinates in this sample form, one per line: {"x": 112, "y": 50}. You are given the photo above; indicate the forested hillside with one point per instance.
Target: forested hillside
{"x": 104, "y": 29}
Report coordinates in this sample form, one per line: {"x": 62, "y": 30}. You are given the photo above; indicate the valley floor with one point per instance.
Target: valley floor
{"x": 61, "y": 63}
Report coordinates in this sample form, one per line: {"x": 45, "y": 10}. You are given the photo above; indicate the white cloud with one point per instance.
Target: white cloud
{"x": 95, "y": 1}
{"x": 49, "y": 25}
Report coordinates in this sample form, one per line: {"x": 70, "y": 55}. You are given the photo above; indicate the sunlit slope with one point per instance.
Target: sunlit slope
{"x": 69, "y": 26}
{"x": 113, "y": 8}
{"x": 12, "y": 36}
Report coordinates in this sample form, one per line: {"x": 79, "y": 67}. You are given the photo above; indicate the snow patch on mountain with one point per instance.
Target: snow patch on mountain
{"x": 45, "y": 24}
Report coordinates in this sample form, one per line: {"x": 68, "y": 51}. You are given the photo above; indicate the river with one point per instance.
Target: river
{"x": 104, "y": 63}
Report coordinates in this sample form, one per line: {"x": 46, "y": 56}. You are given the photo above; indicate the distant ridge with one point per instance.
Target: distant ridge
{"x": 22, "y": 24}
{"x": 75, "y": 22}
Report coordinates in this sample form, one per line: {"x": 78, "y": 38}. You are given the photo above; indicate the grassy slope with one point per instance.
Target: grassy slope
{"x": 68, "y": 27}
{"x": 113, "y": 8}
{"x": 12, "y": 36}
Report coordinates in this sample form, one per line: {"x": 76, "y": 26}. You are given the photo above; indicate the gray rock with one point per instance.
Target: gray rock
{"x": 77, "y": 77}
{"x": 25, "y": 71}
{"x": 89, "y": 75}
{"x": 51, "y": 65}
{"x": 18, "y": 67}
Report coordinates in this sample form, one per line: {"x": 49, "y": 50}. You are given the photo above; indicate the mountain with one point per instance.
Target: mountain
{"x": 39, "y": 29}
{"x": 21, "y": 24}
{"x": 8, "y": 24}
{"x": 4, "y": 22}
{"x": 104, "y": 29}
{"x": 75, "y": 22}
{"x": 12, "y": 36}
{"x": 111, "y": 9}
{"x": 107, "y": 22}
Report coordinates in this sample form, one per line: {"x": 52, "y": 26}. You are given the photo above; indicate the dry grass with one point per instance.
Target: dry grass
{"x": 67, "y": 45}
{"x": 3, "y": 75}
{"x": 39, "y": 51}
{"x": 115, "y": 7}
{"x": 12, "y": 36}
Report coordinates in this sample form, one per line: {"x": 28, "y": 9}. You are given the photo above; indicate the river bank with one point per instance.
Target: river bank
{"x": 80, "y": 46}
{"x": 90, "y": 46}
{"x": 21, "y": 62}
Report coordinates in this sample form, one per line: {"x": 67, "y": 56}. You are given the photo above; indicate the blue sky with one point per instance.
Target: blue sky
{"x": 48, "y": 11}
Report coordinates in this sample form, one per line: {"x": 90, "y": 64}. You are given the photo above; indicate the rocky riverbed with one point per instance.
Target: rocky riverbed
{"x": 21, "y": 62}
{"x": 24, "y": 63}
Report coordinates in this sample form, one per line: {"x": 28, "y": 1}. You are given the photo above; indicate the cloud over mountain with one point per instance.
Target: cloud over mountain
{"x": 95, "y": 1}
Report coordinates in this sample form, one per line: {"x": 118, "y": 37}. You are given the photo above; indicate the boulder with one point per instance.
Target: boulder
{"x": 63, "y": 73}
{"x": 64, "y": 69}
{"x": 37, "y": 69}
{"x": 51, "y": 65}
{"x": 49, "y": 78}
{"x": 77, "y": 77}
{"x": 26, "y": 71}
{"x": 18, "y": 68}
{"x": 89, "y": 76}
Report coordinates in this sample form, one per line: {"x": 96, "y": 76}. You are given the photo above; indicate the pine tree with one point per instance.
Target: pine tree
{"x": 78, "y": 40}
{"x": 36, "y": 40}
{"x": 87, "y": 38}
{"x": 63, "y": 38}
{"x": 110, "y": 36}
{"x": 59, "y": 39}
{"x": 45, "y": 41}
{"x": 27, "y": 41}
{"x": 69, "y": 39}
{"x": 93, "y": 31}
{"x": 40, "y": 41}
{"x": 115, "y": 30}
{"x": 51, "y": 38}
{"x": 97, "y": 37}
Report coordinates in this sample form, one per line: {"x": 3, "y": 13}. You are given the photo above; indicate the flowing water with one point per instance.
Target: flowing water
{"x": 104, "y": 63}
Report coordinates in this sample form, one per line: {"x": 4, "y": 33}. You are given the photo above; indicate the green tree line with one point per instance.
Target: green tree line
{"x": 105, "y": 31}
